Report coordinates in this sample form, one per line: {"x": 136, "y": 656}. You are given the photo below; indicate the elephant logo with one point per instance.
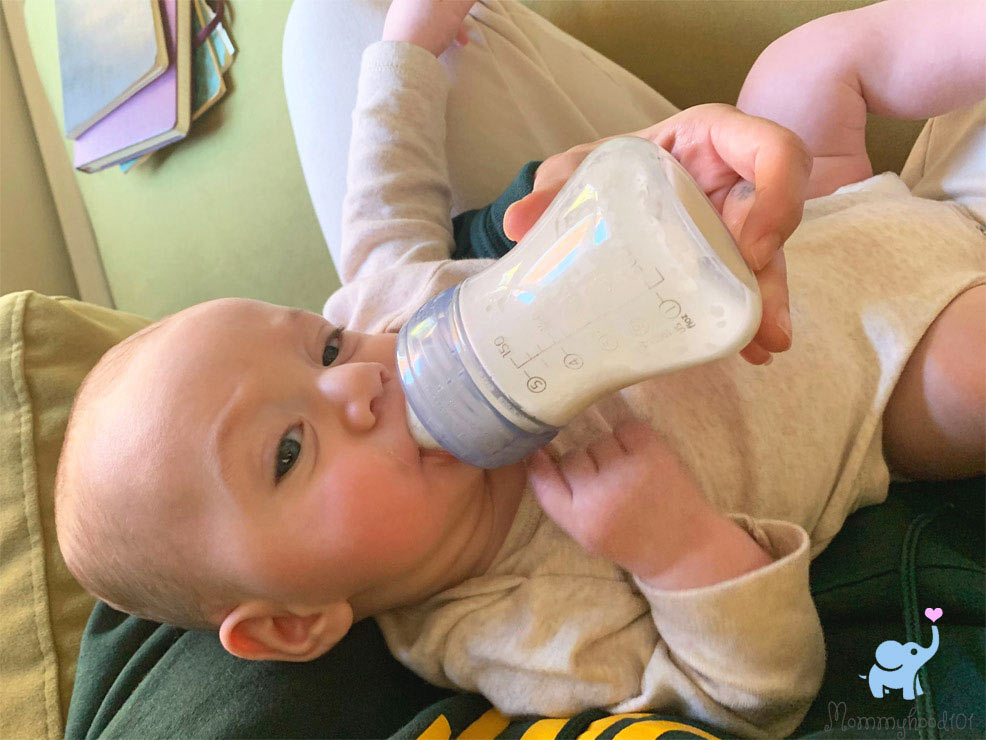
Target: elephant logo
{"x": 897, "y": 665}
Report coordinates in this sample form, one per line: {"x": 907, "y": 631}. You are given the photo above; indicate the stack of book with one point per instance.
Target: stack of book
{"x": 136, "y": 73}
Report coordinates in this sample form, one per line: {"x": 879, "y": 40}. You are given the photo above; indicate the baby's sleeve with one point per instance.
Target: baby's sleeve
{"x": 397, "y": 233}
{"x": 398, "y": 199}
{"x": 747, "y": 654}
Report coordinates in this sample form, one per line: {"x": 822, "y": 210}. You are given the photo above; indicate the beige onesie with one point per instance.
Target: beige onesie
{"x": 788, "y": 449}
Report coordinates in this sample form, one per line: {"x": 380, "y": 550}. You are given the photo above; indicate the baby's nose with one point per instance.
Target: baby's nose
{"x": 352, "y": 388}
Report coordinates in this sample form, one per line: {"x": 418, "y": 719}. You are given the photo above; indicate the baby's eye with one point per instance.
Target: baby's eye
{"x": 331, "y": 351}
{"x": 288, "y": 450}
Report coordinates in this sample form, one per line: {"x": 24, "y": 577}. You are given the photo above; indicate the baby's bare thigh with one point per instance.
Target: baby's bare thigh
{"x": 934, "y": 426}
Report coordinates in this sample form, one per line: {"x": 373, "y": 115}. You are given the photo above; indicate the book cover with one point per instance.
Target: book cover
{"x": 208, "y": 84}
{"x": 153, "y": 117}
{"x": 107, "y": 51}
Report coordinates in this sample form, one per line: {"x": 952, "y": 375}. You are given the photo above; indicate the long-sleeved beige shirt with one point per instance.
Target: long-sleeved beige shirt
{"x": 788, "y": 451}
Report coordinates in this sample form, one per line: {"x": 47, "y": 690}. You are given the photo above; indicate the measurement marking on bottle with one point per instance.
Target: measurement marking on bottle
{"x": 660, "y": 279}
{"x": 660, "y": 307}
{"x": 530, "y": 357}
{"x": 608, "y": 342}
{"x": 670, "y": 309}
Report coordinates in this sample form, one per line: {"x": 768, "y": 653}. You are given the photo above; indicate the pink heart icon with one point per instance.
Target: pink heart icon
{"x": 933, "y": 614}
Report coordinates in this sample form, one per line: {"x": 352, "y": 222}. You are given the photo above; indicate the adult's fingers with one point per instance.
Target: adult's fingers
{"x": 551, "y": 176}
{"x": 778, "y": 164}
{"x": 774, "y": 334}
{"x": 755, "y": 354}
{"x": 762, "y": 152}
{"x": 521, "y": 216}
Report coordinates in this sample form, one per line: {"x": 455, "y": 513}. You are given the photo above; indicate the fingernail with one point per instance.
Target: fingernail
{"x": 763, "y": 251}
{"x": 784, "y": 322}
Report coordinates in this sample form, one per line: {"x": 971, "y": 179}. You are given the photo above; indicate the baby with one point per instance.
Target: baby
{"x": 247, "y": 468}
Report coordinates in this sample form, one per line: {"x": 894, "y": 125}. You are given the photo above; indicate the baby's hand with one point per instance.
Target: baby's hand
{"x": 431, "y": 24}
{"x": 626, "y": 497}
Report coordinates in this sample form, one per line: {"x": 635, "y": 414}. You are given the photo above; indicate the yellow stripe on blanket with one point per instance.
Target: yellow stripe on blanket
{"x": 600, "y": 726}
{"x": 544, "y": 729}
{"x": 437, "y": 730}
{"x": 489, "y": 725}
{"x": 651, "y": 729}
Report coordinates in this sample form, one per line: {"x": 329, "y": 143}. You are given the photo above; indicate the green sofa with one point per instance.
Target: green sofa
{"x": 226, "y": 213}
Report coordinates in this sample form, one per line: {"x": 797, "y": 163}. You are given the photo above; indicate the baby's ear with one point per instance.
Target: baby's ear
{"x": 262, "y": 630}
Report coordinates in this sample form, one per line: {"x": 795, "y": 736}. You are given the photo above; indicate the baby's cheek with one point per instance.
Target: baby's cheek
{"x": 377, "y": 507}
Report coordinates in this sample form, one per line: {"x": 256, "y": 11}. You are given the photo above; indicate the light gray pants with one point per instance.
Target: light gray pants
{"x": 521, "y": 90}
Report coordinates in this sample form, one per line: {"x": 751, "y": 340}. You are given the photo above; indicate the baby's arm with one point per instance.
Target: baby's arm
{"x": 396, "y": 230}
{"x": 897, "y": 58}
{"x": 740, "y": 643}
{"x": 629, "y": 498}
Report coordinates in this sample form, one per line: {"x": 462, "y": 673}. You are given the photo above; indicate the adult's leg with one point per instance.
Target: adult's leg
{"x": 522, "y": 89}
{"x": 322, "y": 47}
{"x": 934, "y": 426}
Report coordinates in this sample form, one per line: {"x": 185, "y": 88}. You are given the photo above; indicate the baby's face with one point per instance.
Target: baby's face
{"x": 292, "y": 437}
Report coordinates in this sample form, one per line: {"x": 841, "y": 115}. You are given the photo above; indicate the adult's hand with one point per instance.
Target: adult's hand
{"x": 753, "y": 170}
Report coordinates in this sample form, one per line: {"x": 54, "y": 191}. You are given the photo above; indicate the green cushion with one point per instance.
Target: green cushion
{"x": 47, "y": 345}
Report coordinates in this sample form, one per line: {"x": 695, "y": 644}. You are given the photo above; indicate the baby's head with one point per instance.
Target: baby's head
{"x": 247, "y": 467}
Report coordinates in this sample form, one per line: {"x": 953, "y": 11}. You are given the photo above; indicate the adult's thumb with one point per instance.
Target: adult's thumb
{"x": 521, "y": 216}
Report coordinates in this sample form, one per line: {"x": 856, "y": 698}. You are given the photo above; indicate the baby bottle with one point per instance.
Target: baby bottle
{"x": 629, "y": 273}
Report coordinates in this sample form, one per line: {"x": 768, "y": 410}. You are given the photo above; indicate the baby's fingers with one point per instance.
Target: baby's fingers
{"x": 636, "y": 436}
{"x": 550, "y": 486}
{"x": 605, "y": 451}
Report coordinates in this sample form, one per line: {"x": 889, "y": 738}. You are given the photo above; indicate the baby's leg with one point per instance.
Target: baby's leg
{"x": 934, "y": 425}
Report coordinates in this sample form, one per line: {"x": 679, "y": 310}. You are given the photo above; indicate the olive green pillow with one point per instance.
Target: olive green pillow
{"x": 47, "y": 345}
